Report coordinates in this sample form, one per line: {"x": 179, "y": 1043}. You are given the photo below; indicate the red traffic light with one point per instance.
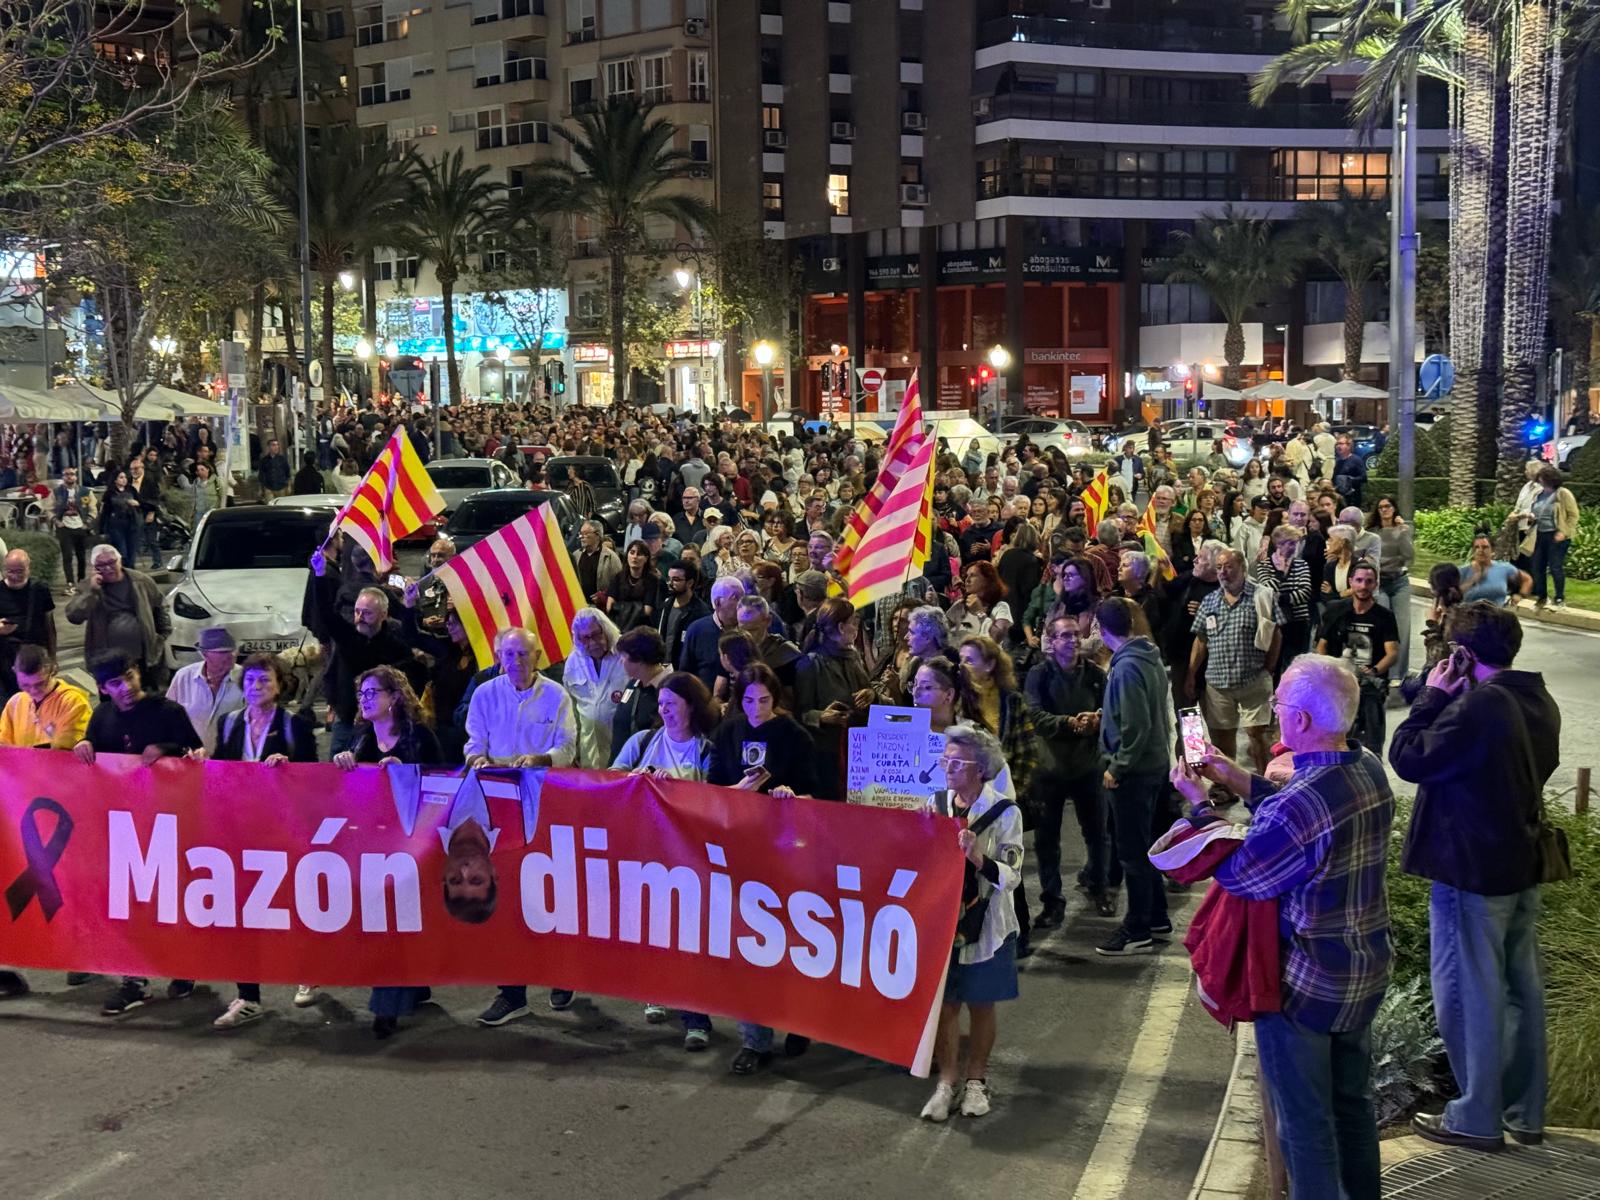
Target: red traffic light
{"x": 984, "y": 373}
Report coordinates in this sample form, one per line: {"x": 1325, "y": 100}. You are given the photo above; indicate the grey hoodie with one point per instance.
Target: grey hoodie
{"x": 1136, "y": 719}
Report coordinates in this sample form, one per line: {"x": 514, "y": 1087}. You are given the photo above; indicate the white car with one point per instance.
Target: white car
{"x": 1072, "y": 438}
{"x": 1568, "y": 446}
{"x": 960, "y": 431}
{"x": 458, "y": 478}
{"x": 246, "y": 571}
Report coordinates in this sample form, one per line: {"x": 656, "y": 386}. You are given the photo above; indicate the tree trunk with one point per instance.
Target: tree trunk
{"x": 1355, "y": 325}
{"x": 369, "y": 319}
{"x": 328, "y": 284}
{"x": 258, "y": 306}
{"x": 1590, "y": 398}
{"x": 447, "y": 287}
{"x": 1471, "y": 155}
{"x": 1535, "y": 83}
{"x": 621, "y": 392}
{"x": 1232, "y": 353}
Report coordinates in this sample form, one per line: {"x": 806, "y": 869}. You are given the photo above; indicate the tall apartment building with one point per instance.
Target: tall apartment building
{"x": 492, "y": 78}
{"x": 957, "y": 175}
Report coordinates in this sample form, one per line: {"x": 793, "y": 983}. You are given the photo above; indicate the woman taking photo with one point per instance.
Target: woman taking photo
{"x": 760, "y": 748}
{"x": 983, "y": 965}
{"x": 1484, "y": 577}
{"x": 120, "y": 520}
{"x": 390, "y": 730}
{"x": 983, "y": 608}
{"x": 263, "y": 732}
{"x": 832, "y": 690}
{"x": 1444, "y": 582}
{"x": 636, "y": 592}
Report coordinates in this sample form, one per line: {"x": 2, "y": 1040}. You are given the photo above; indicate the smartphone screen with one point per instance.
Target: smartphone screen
{"x": 397, "y": 581}
{"x": 1194, "y": 736}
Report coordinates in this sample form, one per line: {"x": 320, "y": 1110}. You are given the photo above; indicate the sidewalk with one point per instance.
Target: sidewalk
{"x": 1568, "y": 617}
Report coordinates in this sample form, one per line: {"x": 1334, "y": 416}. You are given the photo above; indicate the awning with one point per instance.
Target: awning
{"x": 1350, "y": 389}
{"x": 25, "y": 404}
{"x": 1211, "y": 391}
{"x": 1274, "y": 389}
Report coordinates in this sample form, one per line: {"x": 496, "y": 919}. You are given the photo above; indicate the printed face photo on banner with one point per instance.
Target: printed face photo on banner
{"x": 832, "y": 921}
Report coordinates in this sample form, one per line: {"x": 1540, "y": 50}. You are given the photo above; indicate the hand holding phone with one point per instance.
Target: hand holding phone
{"x": 1193, "y": 727}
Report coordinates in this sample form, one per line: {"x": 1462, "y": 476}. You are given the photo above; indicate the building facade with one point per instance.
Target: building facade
{"x": 957, "y": 175}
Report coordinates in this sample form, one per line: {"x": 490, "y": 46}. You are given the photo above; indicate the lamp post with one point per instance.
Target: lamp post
{"x": 305, "y": 226}
{"x": 764, "y": 353}
{"x": 502, "y": 354}
{"x": 999, "y": 359}
{"x": 688, "y": 253}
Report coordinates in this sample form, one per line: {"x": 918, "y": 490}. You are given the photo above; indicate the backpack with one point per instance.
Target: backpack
{"x": 974, "y": 905}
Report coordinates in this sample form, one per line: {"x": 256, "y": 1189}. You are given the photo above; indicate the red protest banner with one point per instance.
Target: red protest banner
{"x": 833, "y": 921}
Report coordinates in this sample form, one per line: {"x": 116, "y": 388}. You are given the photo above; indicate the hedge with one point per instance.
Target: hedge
{"x": 1430, "y": 491}
{"x": 1449, "y": 531}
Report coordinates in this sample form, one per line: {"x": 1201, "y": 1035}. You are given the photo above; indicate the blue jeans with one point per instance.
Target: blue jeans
{"x": 1133, "y": 808}
{"x": 755, "y": 1037}
{"x": 150, "y": 543}
{"x": 1395, "y": 595}
{"x": 397, "y": 1001}
{"x": 1550, "y": 556}
{"x": 1488, "y": 993}
{"x": 1320, "y": 1088}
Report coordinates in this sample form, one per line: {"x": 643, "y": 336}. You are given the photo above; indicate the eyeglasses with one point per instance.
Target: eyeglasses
{"x": 947, "y": 762}
{"x": 371, "y": 693}
{"x": 1279, "y": 706}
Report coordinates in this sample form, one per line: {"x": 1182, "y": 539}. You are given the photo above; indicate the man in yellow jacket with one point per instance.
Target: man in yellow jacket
{"x": 47, "y": 712}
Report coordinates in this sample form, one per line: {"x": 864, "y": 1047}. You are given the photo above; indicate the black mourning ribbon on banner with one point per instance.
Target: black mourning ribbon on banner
{"x": 38, "y": 878}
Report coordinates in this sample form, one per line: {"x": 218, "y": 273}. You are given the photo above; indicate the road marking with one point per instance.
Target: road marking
{"x": 86, "y": 1176}
{"x": 1105, "y": 1176}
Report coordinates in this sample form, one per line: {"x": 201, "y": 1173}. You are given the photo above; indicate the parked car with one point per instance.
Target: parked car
{"x": 1567, "y": 449}
{"x": 456, "y": 479}
{"x": 246, "y": 571}
{"x": 1363, "y": 438}
{"x": 959, "y": 431}
{"x": 610, "y": 494}
{"x": 1072, "y": 438}
{"x": 1191, "y": 439}
{"x": 484, "y": 513}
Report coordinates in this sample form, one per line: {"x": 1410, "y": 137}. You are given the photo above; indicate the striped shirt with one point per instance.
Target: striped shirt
{"x": 1318, "y": 845}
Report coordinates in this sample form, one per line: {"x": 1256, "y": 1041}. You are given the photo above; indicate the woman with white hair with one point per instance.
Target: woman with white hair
{"x": 983, "y": 964}
{"x": 594, "y": 678}
{"x": 1341, "y": 556}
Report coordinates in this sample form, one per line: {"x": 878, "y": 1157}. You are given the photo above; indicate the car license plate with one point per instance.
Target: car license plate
{"x": 267, "y": 645}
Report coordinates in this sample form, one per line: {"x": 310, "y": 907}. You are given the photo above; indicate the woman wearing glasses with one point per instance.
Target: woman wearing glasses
{"x": 390, "y": 730}
{"x": 983, "y": 964}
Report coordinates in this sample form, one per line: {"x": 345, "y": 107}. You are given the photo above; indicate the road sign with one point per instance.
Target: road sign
{"x": 871, "y": 379}
{"x": 1436, "y": 376}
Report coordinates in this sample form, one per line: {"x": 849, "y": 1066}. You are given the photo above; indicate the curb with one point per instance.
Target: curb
{"x": 1235, "y": 1154}
{"x": 1567, "y": 618}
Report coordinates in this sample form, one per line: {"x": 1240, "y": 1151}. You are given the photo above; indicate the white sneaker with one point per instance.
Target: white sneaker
{"x": 306, "y": 995}
{"x": 655, "y": 1013}
{"x": 938, "y": 1106}
{"x": 975, "y": 1100}
{"x": 240, "y": 1012}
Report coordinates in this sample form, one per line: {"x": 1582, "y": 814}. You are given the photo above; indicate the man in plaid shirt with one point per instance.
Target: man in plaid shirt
{"x": 1317, "y": 846}
{"x": 1229, "y": 659}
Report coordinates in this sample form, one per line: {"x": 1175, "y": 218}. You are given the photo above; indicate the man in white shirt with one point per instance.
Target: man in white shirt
{"x": 209, "y": 689}
{"x": 1247, "y": 533}
{"x": 520, "y": 718}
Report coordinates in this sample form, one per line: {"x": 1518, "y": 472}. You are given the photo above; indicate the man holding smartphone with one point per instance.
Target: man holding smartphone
{"x": 1480, "y": 743}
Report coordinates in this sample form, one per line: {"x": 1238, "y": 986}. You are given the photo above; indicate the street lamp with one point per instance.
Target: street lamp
{"x": 763, "y": 353}
{"x": 999, "y": 359}
{"x": 391, "y": 350}
{"x": 503, "y": 353}
{"x": 347, "y": 281}
{"x": 684, "y": 277}
{"x": 363, "y": 349}
{"x": 165, "y": 347}
{"x": 688, "y": 253}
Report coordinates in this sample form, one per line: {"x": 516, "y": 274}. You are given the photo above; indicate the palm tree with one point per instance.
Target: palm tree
{"x": 623, "y": 172}
{"x": 449, "y": 209}
{"x": 1351, "y": 236}
{"x": 1239, "y": 260}
{"x": 354, "y": 191}
{"x": 1575, "y": 291}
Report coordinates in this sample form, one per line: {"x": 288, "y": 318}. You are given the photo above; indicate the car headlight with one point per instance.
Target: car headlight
{"x": 187, "y": 608}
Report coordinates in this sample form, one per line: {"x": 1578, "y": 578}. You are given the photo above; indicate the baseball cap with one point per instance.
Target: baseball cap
{"x": 812, "y": 584}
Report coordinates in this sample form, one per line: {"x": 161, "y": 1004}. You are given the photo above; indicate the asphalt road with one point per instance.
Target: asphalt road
{"x": 1107, "y": 1079}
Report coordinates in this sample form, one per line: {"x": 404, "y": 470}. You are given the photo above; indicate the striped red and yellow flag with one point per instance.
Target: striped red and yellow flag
{"x": 1146, "y": 529}
{"x": 1096, "y": 499}
{"x": 888, "y": 554}
{"x": 519, "y": 576}
{"x": 906, "y": 437}
{"x": 395, "y": 498}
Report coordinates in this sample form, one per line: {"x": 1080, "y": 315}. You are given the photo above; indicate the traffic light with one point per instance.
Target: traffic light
{"x": 985, "y": 374}
{"x": 827, "y": 378}
{"x": 561, "y": 378}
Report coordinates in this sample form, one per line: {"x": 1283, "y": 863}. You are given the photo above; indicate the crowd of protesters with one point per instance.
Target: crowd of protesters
{"x": 1055, "y": 653}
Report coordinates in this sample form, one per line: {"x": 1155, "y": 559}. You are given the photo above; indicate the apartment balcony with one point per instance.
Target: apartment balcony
{"x": 511, "y": 18}
{"x": 514, "y": 133}
{"x": 1168, "y": 35}
{"x": 524, "y": 67}
{"x": 1241, "y": 114}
